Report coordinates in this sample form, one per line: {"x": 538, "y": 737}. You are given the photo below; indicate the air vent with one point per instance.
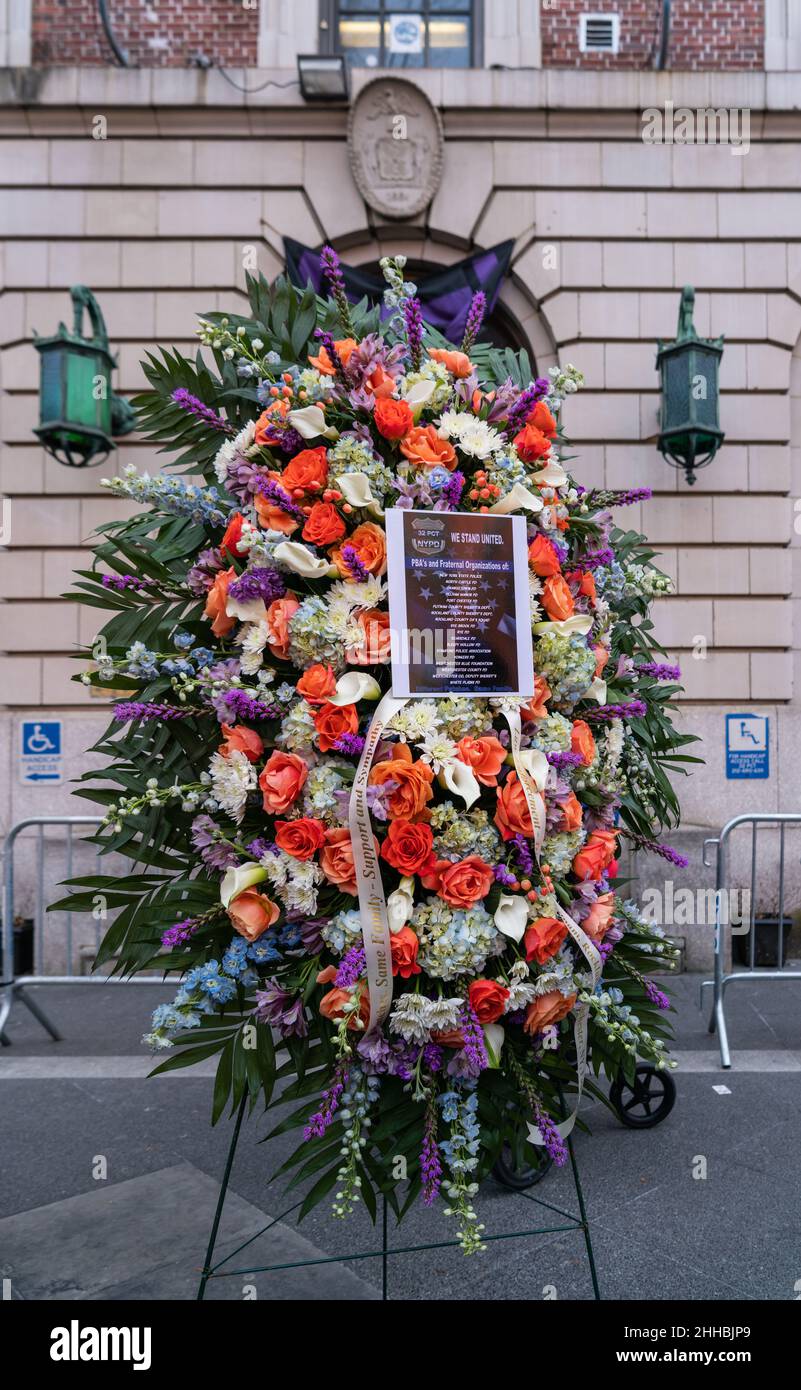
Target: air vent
{"x": 599, "y": 33}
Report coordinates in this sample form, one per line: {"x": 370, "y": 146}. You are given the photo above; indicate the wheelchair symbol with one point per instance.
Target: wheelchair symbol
{"x": 37, "y": 742}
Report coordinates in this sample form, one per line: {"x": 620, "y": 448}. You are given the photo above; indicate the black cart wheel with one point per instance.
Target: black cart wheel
{"x": 521, "y": 1173}
{"x": 647, "y": 1101}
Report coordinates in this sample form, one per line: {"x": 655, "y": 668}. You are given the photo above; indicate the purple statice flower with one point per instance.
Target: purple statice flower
{"x": 262, "y": 582}
{"x": 329, "y": 1103}
{"x": 125, "y": 581}
{"x": 352, "y": 745}
{"x": 207, "y": 839}
{"x": 452, "y": 492}
{"x": 279, "y": 1009}
{"x": 594, "y": 559}
{"x": 149, "y": 710}
{"x": 179, "y": 933}
{"x": 604, "y": 714}
{"x": 430, "y": 1164}
{"x": 660, "y": 670}
{"x": 523, "y": 854}
{"x": 350, "y": 556}
{"x": 664, "y": 851}
{"x": 332, "y": 269}
{"x": 432, "y": 1056}
{"x": 564, "y": 758}
{"x": 503, "y": 875}
{"x": 351, "y": 967}
{"x": 195, "y": 406}
{"x": 656, "y": 995}
{"x": 201, "y": 576}
{"x": 555, "y": 1145}
{"x": 267, "y": 487}
{"x": 413, "y": 319}
{"x": 474, "y": 320}
{"x": 475, "y": 1052}
{"x": 235, "y": 704}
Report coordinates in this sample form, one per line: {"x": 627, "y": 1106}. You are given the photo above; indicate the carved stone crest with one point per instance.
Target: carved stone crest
{"x": 395, "y": 146}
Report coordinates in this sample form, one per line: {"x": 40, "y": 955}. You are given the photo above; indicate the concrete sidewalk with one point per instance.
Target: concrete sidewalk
{"x": 703, "y": 1206}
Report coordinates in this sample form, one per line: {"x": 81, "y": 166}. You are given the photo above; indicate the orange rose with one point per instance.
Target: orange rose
{"x": 301, "y": 838}
{"x": 281, "y": 781}
{"x": 485, "y": 755}
{"x": 332, "y": 1004}
{"x": 412, "y": 794}
{"x": 532, "y": 444}
{"x": 599, "y": 918}
{"x": 233, "y": 533}
{"x": 336, "y": 859}
{"x": 307, "y": 471}
{"x": 426, "y": 448}
{"x": 601, "y": 658}
{"x": 557, "y": 599}
{"x": 272, "y": 517}
{"x": 322, "y": 361}
{"x": 543, "y": 939}
{"x": 278, "y": 615}
{"x": 323, "y": 524}
{"x": 240, "y": 739}
{"x": 536, "y": 707}
{"x": 266, "y": 423}
{"x": 404, "y": 946}
{"x": 586, "y": 584}
{"x": 393, "y": 419}
{"x": 542, "y": 419}
{"x": 570, "y": 807}
{"x": 543, "y": 558}
{"x": 408, "y": 847}
{"x": 487, "y": 999}
{"x": 317, "y": 684}
{"x": 252, "y": 913}
{"x": 216, "y": 602}
{"x": 596, "y": 854}
{"x": 377, "y": 640}
{"x": 379, "y": 383}
{"x": 512, "y": 815}
{"x": 332, "y": 721}
{"x": 457, "y": 363}
{"x": 460, "y": 884}
{"x": 370, "y": 545}
{"x": 547, "y": 1009}
{"x": 582, "y": 741}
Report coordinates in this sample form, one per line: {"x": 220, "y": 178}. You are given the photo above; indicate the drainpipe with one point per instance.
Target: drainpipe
{"x": 664, "y": 42}
{"x": 119, "y": 53}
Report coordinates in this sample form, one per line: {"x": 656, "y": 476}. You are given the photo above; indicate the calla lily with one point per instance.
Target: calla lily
{"x": 536, "y": 765}
{"x": 235, "y": 881}
{"x": 252, "y": 610}
{"x": 400, "y": 904}
{"x": 552, "y": 475}
{"x": 597, "y": 691}
{"x": 355, "y": 488}
{"x": 299, "y": 559}
{"x": 577, "y": 626}
{"x": 519, "y": 497}
{"x": 460, "y": 779}
{"x": 418, "y": 396}
{"x": 355, "y": 686}
{"x": 310, "y": 423}
{"x": 511, "y": 916}
{"x": 493, "y": 1042}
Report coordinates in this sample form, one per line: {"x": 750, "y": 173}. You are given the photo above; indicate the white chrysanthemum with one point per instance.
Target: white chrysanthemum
{"x": 443, "y": 1014}
{"x": 408, "y": 1018}
{"x": 437, "y": 749}
{"x": 474, "y": 436}
{"x": 231, "y": 780}
{"x": 233, "y": 448}
{"x": 415, "y": 722}
{"x": 252, "y": 638}
{"x": 300, "y": 893}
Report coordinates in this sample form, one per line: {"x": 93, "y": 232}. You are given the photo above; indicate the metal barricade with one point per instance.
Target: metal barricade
{"x": 721, "y": 980}
{"x": 13, "y": 986}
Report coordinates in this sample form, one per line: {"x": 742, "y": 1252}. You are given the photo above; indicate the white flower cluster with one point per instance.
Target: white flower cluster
{"x": 233, "y": 449}
{"x": 414, "y": 1017}
{"x": 232, "y": 777}
{"x": 470, "y": 434}
{"x": 293, "y": 880}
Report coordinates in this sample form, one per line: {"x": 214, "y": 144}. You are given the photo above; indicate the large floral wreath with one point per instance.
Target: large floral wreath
{"x": 251, "y": 633}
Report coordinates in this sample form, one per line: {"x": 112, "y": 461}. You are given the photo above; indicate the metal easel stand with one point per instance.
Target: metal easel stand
{"x": 213, "y": 1270}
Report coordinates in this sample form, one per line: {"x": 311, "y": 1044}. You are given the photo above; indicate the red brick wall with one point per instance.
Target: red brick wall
{"x": 716, "y": 34}
{"x": 162, "y": 33}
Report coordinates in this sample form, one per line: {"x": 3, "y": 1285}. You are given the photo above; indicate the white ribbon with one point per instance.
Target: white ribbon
{"x": 529, "y": 772}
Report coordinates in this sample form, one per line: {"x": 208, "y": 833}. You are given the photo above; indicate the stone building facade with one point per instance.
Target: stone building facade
{"x": 540, "y": 146}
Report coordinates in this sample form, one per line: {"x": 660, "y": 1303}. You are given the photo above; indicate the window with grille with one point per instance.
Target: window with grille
{"x": 394, "y": 34}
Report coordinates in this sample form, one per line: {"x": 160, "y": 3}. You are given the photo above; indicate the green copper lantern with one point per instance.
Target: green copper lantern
{"x": 690, "y": 433}
{"x": 78, "y": 412}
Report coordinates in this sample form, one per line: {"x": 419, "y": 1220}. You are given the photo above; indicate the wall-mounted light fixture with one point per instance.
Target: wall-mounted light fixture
{"x": 690, "y": 433}
{"x": 323, "y": 77}
{"x": 79, "y": 415}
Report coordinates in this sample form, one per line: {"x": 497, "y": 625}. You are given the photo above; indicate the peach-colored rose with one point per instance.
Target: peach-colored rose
{"x": 375, "y": 647}
{"x": 596, "y": 854}
{"x": 457, "y": 363}
{"x": 322, "y": 361}
{"x": 272, "y": 517}
{"x": 278, "y": 615}
{"x": 370, "y": 545}
{"x": 266, "y": 422}
{"x": 380, "y": 384}
{"x": 240, "y": 739}
{"x": 411, "y": 796}
{"x": 543, "y": 558}
{"x": 571, "y": 819}
{"x": 512, "y": 815}
{"x": 427, "y": 449}
{"x": 332, "y": 721}
{"x": 307, "y": 471}
{"x": 599, "y": 918}
{"x": 317, "y": 684}
{"x": 332, "y": 1004}
{"x": 336, "y": 859}
{"x": 484, "y": 755}
{"x": 281, "y": 781}
{"x": 301, "y": 838}
{"x": 582, "y": 741}
{"x": 601, "y": 658}
{"x": 537, "y": 707}
{"x": 543, "y": 939}
{"x": 460, "y": 884}
{"x": 216, "y": 601}
{"x": 557, "y": 599}
{"x": 547, "y": 1009}
{"x": 251, "y": 913}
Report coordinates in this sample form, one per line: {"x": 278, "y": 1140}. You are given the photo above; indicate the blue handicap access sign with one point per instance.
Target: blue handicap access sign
{"x": 40, "y": 751}
{"x": 747, "y": 746}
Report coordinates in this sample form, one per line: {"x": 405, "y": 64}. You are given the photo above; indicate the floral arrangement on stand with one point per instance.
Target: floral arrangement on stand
{"x": 249, "y": 628}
